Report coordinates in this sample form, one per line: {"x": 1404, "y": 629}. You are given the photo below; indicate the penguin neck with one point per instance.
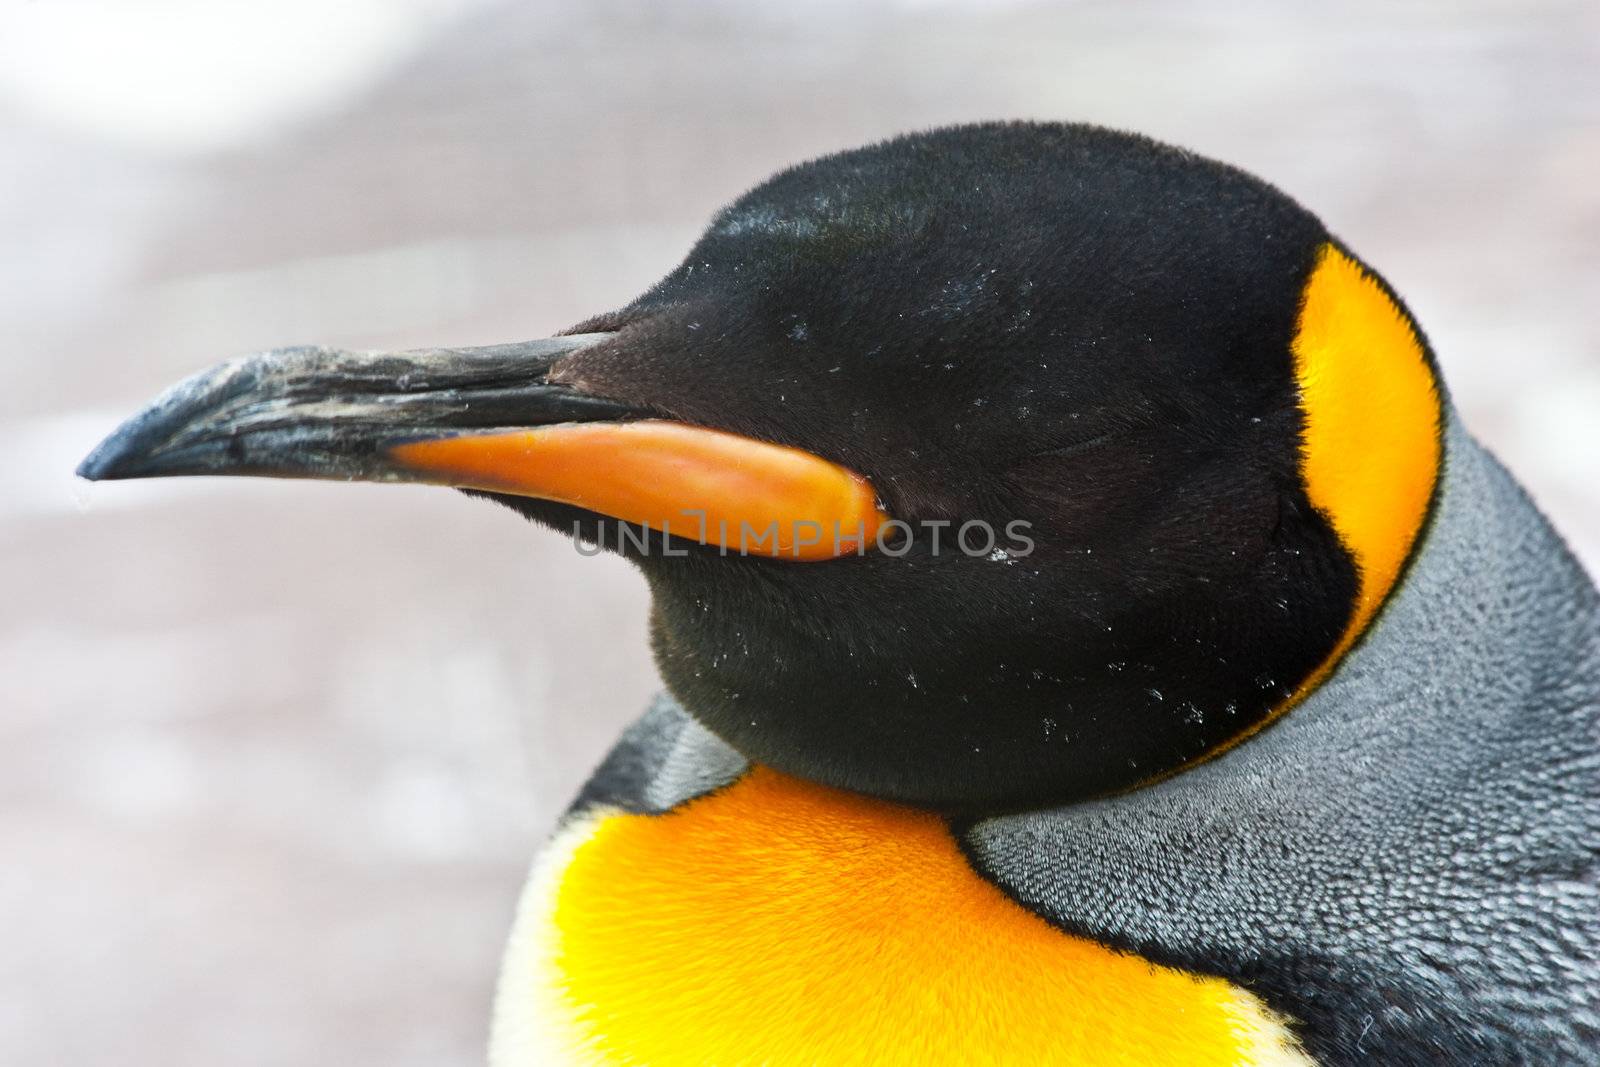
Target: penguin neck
{"x": 1431, "y": 803}
{"x": 1492, "y": 617}
{"x": 1492, "y": 612}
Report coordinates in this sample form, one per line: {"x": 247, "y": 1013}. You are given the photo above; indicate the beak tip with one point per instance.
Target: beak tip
{"x": 109, "y": 461}
{"x": 141, "y": 447}
{"x": 132, "y": 450}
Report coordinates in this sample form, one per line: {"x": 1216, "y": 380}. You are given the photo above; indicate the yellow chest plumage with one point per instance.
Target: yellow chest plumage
{"x": 780, "y": 922}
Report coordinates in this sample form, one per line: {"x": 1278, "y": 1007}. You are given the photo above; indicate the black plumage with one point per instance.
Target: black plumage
{"x": 1079, "y": 329}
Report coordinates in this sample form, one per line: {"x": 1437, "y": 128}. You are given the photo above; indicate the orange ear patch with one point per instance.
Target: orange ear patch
{"x": 1371, "y": 450}
{"x": 717, "y": 488}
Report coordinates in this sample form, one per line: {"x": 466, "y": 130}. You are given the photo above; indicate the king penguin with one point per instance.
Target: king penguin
{"x": 1090, "y": 636}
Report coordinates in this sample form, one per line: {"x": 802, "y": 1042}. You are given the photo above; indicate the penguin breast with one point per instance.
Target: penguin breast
{"x": 777, "y": 921}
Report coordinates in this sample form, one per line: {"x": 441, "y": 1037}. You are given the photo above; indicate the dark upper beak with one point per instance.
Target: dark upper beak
{"x": 325, "y": 413}
{"x": 491, "y": 419}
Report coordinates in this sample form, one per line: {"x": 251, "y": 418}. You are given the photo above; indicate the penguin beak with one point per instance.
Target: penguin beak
{"x": 490, "y": 419}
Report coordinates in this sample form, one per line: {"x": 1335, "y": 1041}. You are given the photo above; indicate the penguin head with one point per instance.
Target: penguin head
{"x": 987, "y": 467}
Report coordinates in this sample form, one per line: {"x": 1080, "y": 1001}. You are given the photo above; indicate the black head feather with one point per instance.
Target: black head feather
{"x": 1066, "y": 327}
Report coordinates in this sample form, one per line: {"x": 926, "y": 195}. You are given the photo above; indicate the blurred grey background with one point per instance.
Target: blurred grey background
{"x": 275, "y": 755}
